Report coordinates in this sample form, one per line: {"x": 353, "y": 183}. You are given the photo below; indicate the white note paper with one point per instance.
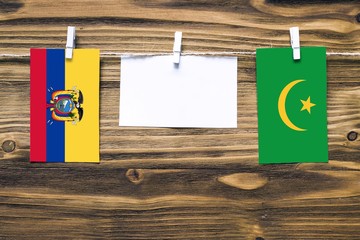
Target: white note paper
{"x": 200, "y": 92}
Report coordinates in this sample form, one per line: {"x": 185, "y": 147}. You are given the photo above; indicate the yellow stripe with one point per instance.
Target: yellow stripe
{"x": 82, "y": 138}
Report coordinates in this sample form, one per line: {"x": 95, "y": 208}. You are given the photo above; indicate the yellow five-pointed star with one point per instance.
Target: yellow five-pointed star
{"x": 307, "y": 105}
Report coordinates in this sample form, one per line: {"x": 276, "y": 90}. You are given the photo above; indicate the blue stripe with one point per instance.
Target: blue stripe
{"x": 55, "y": 130}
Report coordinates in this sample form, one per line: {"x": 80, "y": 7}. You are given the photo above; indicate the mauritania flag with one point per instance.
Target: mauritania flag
{"x": 292, "y": 105}
{"x": 64, "y": 106}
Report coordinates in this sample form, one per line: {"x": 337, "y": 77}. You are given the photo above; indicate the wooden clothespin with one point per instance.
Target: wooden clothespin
{"x": 295, "y": 42}
{"x": 70, "y": 42}
{"x": 177, "y": 47}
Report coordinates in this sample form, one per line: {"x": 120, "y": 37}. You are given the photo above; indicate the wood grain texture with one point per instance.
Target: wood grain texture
{"x": 168, "y": 183}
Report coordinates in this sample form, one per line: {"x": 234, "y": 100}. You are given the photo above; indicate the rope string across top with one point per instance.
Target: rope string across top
{"x": 128, "y": 54}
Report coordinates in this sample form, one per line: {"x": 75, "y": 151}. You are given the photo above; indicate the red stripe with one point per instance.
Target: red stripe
{"x": 37, "y": 105}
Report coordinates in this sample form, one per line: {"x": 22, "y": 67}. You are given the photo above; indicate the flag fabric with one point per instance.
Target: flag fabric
{"x": 64, "y": 105}
{"x": 291, "y": 94}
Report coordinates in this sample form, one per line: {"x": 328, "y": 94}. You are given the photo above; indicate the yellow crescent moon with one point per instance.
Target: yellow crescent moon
{"x": 282, "y": 108}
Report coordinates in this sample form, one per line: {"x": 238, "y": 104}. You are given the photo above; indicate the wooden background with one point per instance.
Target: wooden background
{"x": 180, "y": 183}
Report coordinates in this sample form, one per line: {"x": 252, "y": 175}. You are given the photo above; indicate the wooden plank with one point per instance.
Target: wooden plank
{"x": 182, "y": 203}
{"x": 179, "y": 183}
{"x": 142, "y": 26}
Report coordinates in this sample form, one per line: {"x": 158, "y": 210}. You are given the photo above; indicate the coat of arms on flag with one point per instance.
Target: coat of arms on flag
{"x": 64, "y": 106}
{"x": 292, "y": 105}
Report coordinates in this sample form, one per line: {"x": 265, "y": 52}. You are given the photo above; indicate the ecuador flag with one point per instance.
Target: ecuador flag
{"x": 292, "y": 105}
{"x": 64, "y": 106}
